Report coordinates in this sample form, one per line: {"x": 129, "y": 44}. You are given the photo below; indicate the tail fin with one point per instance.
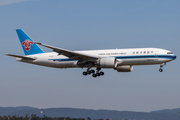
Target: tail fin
{"x": 27, "y": 43}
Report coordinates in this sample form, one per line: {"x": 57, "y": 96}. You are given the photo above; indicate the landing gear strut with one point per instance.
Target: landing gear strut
{"x": 89, "y": 65}
{"x": 160, "y": 69}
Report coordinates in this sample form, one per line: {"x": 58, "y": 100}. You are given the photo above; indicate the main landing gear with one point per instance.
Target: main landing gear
{"x": 160, "y": 69}
{"x": 94, "y": 74}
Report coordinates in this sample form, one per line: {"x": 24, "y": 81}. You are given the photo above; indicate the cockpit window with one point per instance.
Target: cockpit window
{"x": 169, "y": 53}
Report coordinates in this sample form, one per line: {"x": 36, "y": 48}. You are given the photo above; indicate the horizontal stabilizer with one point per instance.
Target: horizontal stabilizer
{"x": 17, "y": 56}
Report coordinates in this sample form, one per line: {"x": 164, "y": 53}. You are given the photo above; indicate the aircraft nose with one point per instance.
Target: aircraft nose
{"x": 174, "y": 56}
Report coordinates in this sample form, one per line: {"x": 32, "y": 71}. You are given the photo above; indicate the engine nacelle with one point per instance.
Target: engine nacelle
{"x": 124, "y": 68}
{"x": 107, "y": 62}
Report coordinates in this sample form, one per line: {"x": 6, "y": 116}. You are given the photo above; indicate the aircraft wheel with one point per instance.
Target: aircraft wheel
{"x": 84, "y": 73}
{"x": 98, "y": 74}
{"x": 88, "y": 72}
{"x": 101, "y": 73}
{"x": 160, "y": 70}
{"x": 94, "y": 75}
{"x": 92, "y": 71}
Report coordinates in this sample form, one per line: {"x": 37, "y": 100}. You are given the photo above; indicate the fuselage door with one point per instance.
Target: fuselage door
{"x": 156, "y": 54}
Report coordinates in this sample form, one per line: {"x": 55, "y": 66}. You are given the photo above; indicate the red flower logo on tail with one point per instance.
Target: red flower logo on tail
{"x": 27, "y": 44}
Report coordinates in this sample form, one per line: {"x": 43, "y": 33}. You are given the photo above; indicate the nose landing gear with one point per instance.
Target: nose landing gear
{"x": 160, "y": 69}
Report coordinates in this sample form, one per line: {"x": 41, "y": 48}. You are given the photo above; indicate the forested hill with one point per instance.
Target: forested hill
{"x": 173, "y": 114}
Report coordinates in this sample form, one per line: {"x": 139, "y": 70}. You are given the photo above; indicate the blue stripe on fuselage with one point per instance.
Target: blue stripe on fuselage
{"x": 146, "y": 56}
{"x": 62, "y": 60}
{"x": 170, "y": 57}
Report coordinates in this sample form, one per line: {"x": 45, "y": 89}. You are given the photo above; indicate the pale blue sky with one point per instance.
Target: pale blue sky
{"x": 85, "y": 25}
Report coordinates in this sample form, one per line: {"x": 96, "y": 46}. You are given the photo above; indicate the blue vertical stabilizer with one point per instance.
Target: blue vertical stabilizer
{"x": 27, "y": 43}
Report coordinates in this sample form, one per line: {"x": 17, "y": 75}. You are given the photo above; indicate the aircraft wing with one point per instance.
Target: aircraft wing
{"x": 70, "y": 54}
{"x": 17, "y": 56}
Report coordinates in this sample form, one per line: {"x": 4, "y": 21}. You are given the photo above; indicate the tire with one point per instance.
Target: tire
{"x": 160, "y": 70}
{"x": 94, "y": 75}
{"x": 88, "y": 72}
{"x": 101, "y": 73}
{"x": 84, "y": 73}
{"x": 92, "y": 71}
{"x": 98, "y": 74}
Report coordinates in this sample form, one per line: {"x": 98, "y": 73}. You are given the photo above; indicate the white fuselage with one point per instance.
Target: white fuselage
{"x": 138, "y": 56}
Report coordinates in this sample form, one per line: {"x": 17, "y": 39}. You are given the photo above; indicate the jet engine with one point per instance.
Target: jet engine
{"x": 107, "y": 62}
{"x": 124, "y": 68}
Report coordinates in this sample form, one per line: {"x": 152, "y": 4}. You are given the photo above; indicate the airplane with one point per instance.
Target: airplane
{"x": 121, "y": 60}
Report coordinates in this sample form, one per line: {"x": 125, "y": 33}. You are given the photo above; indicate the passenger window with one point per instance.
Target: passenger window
{"x": 141, "y": 52}
{"x": 151, "y": 51}
{"x": 147, "y": 51}
{"x": 136, "y": 52}
{"x": 133, "y": 52}
{"x": 144, "y": 51}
